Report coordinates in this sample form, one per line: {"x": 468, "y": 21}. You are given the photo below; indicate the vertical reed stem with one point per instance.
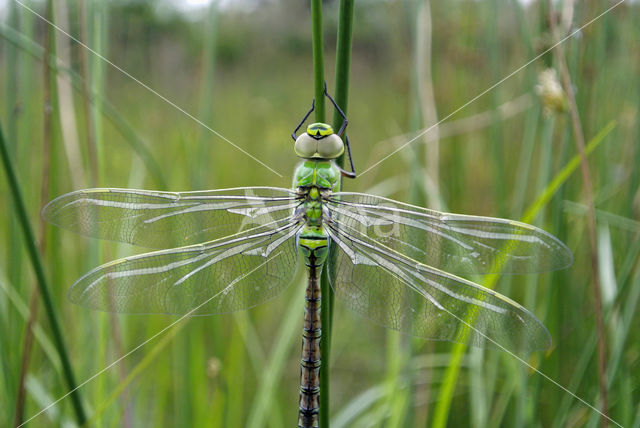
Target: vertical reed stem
{"x": 578, "y": 138}
{"x": 343, "y": 62}
{"x": 47, "y": 83}
{"x": 325, "y": 299}
{"x": 318, "y": 59}
{"x": 341, "y": 96}
{"x": 42, "y": 280}
{"x": 83, "y": 17}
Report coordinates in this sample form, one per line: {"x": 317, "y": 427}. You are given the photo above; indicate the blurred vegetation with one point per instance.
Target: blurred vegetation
{"x": 247, "y": 73}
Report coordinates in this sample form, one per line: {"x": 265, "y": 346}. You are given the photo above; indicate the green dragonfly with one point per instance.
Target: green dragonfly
{"x": 236, "y": 248}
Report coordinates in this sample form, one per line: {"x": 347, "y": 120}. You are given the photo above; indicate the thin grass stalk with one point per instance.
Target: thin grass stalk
{"x": 139, "y": 368}
{"x": 48, "y": 79}
{"x": 24, "y": 132}
{"x": 629, "y": 309}
{"x": 98, "y": 69}
{"x": 90, "y": 131}
{"x": 273, "y": 370}
{"x": 14, "y": 252}
{"x": 535, "y": 286}
{"x": 27, "y": 347}
{"x": 66, "y": 109}
{"x": 95, "y": 78}
{"x": 234, "y": 358}
{"x": 326, "y": 300}
{"x": 203, "y": 151}
{"x": 257, "y": 358}
{"x": 426, "y": 97}
{"x": 341, "y": 96}
{"x": 445, "y": 395}
{"x": 104, "y": 326}
{"x": 429, "y": 180}
{"x": 521, "y": 390}
{"x": 399, "y": 380}
{"x": 318, "y": 60}
{"x": 236, "y": 379}
{"x": 22, "y": 309}
{"x": 591, "y": 216}
{"x": 38, "y": 268}
{"x": 343, "y": 63}
{"x": 110, "y": 112}
{"x": 8, "y": 333}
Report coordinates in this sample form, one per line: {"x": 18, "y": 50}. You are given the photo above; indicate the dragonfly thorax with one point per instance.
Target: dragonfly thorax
{"x": 312, "y": 210}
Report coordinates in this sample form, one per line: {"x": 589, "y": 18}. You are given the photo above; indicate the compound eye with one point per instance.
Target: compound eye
{"x": 330, "y": 147}
{"x": 305, "y": 146}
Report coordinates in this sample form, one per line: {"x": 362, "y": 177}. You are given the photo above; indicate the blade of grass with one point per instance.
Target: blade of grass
{"x": 66, "y": 109}
{"x": 543, "y": 199}
{"x": 203, "y": 151}
{"x": 9, "y": 334}
{"x": 341, "y": 96}
{"x": 43, "y": 285}
{"x": 235, "y": 373}
{"x": 578, "y": 138}
{"x": 83, "y": 18}
{"x": 21, "y": 307}
{"x": 273, "y": 371}
{"x": 429, "y": 180}
{"x": 400, "y": 348}
{"x": 249, "y": 337}
{"x": 497, "y": 148}
{"x": 99, "y": 16}
{"x": 318, "y": 59}
{"x": 49, "y": 97}
{"x": 135, "y": 372}
{"x": 448, "y": 385}
{"x": 257, "y": 356}
{"x": 112, "y": 114}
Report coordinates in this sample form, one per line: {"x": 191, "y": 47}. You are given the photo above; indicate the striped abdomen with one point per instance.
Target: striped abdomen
{"x": 313, "y": 244}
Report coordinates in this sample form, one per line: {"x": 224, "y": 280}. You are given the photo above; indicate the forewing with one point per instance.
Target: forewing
{"x": 397, "y": 292}
{"x": 451, "y": 242}
{"x": 167, "y": 219}
{"x": 217, "y": 277}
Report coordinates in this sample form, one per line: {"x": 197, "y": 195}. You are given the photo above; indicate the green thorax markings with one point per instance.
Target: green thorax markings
{"x": 319, "y": 173}
{"x": 311, "y": 178}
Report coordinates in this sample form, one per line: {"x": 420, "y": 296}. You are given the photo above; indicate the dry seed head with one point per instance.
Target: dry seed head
{"x": 550, "y": 91}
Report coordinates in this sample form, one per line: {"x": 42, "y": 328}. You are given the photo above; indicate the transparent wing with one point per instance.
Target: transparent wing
{"x": 167, "y": 219}
{"x": 217, "y": 277}
{"x": 397, "y": 292}
{"x": 455, "y": 243}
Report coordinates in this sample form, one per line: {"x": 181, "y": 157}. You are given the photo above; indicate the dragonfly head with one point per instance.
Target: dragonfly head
{"x": 319, "y": 142}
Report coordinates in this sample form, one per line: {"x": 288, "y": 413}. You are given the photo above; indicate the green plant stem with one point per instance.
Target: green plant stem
{"x": 326, "y": 300}
{"x": 14, "y": 254}
{"x": 445, "y": 395}
{"x": 49, "y": 83}
{"x": 112, "y": 114}
{"x": 318, "y": 59}
{"x": 343, "y": 66}
{"x": 86, "y": 94}
{"x": 343, "y": 63}
{"x": 42, "y": 280}
{"x": 578, "y": 137}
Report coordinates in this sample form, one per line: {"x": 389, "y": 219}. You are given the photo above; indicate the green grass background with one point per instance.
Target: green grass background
{"x": 248, "y": 75}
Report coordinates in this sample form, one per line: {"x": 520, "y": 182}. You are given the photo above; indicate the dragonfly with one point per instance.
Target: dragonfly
{"x": 219, "y": 251}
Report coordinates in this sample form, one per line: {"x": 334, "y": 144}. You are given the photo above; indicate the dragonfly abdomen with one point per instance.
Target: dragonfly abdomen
{"x": 313, "y": 243}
